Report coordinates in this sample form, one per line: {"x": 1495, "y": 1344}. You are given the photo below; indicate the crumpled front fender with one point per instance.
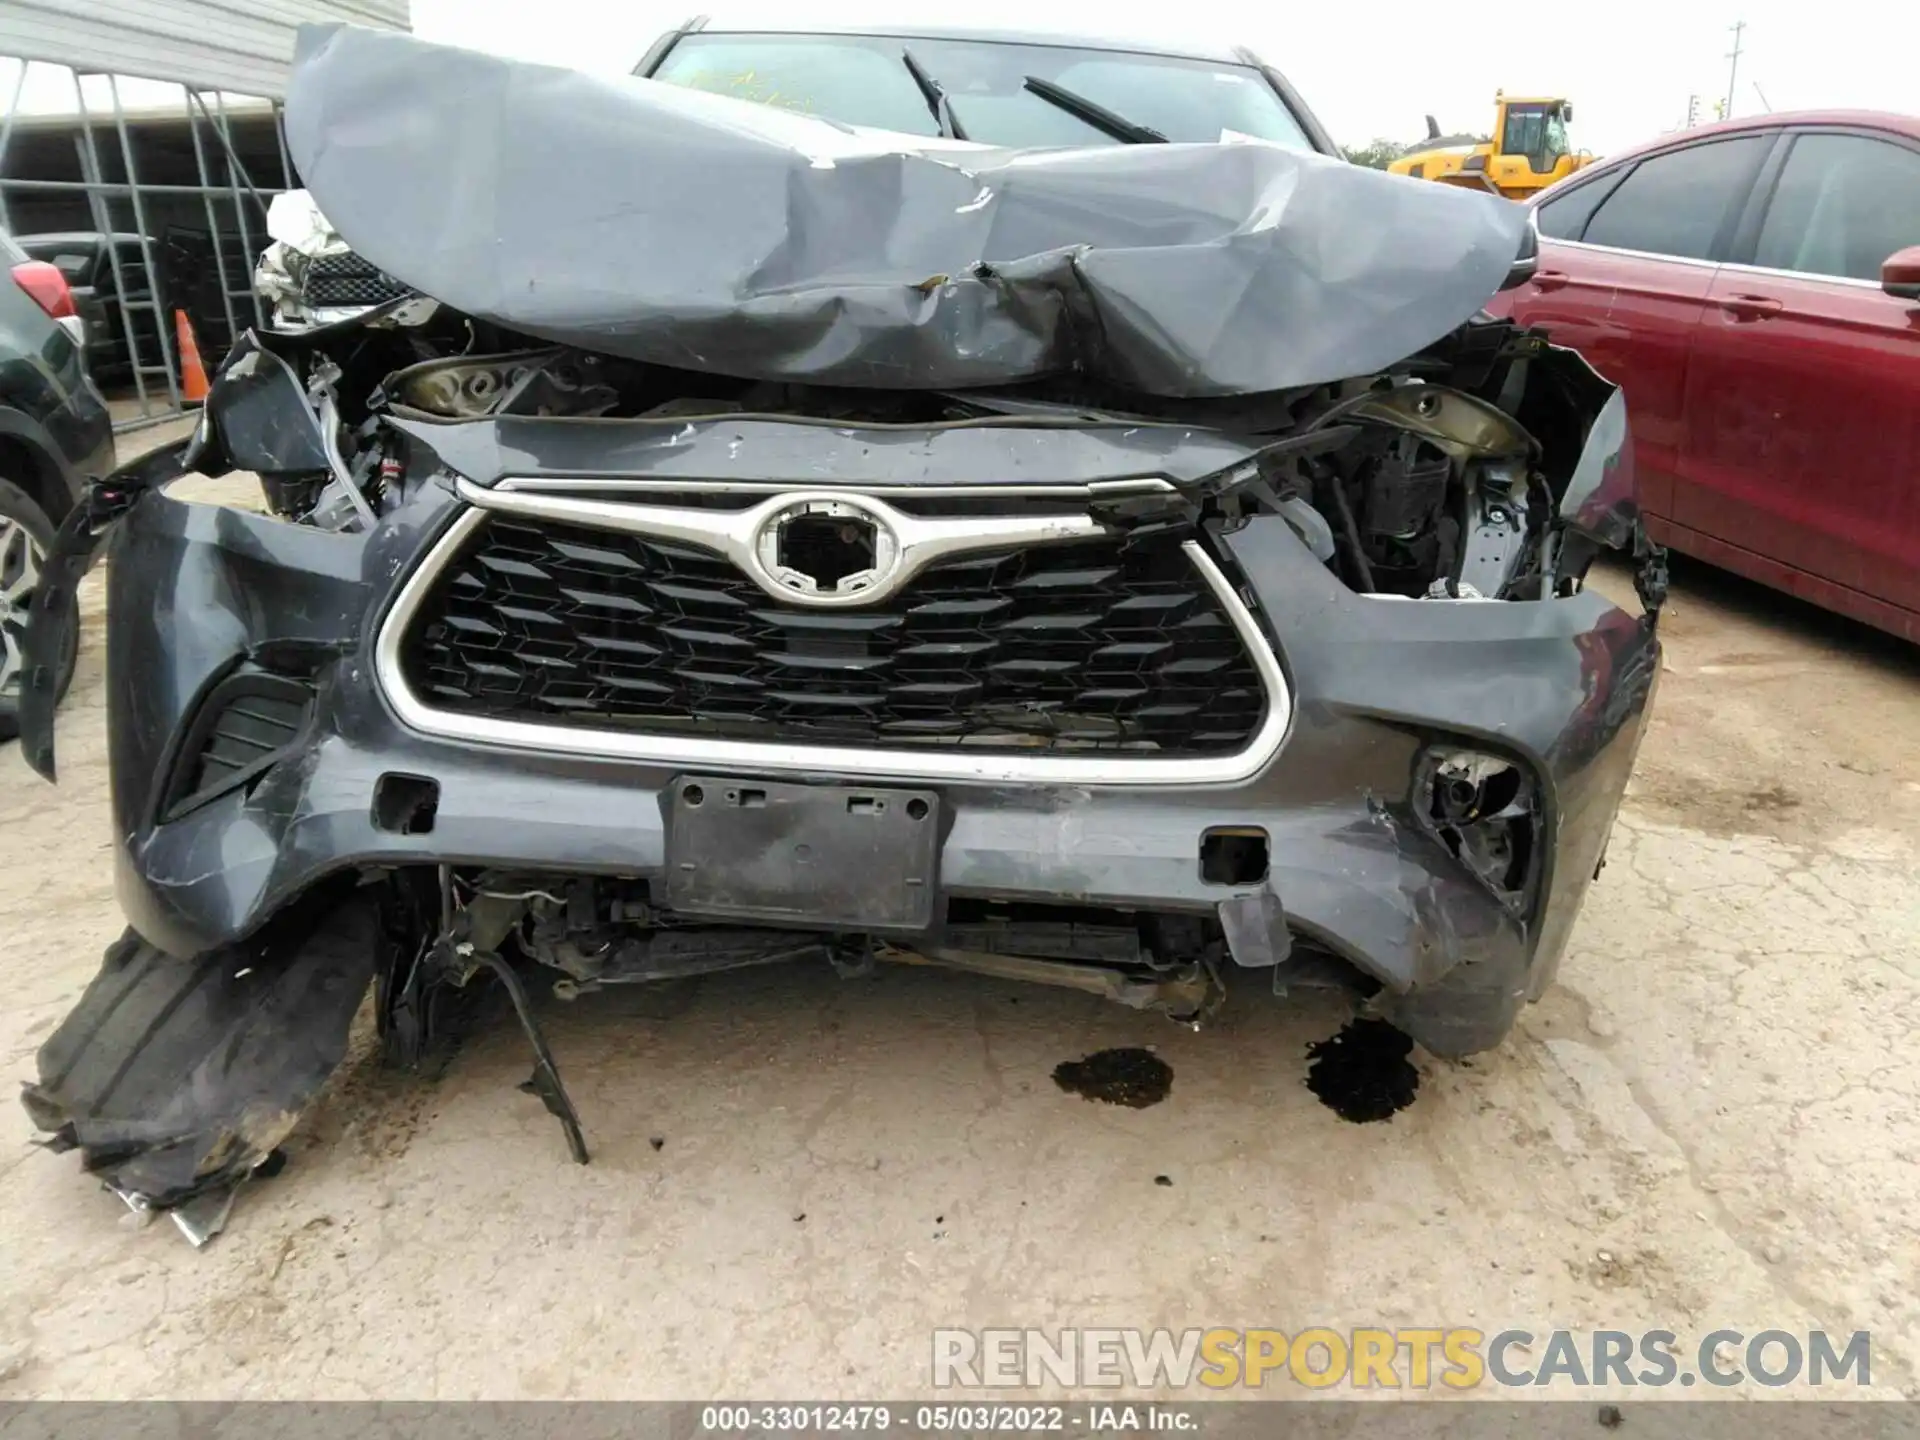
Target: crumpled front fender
{"x": 1563, "y": 686}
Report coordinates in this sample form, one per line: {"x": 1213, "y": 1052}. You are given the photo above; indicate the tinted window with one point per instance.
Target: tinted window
{"x": 1843, "y": 205}
{"x": 862, "y": 80}
{"x": 1565, "y": 216}
{"x": 1674, "y": 204}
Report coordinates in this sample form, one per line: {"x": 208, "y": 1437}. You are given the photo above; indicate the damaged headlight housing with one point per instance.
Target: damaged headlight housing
{"x": 1485, "y": 809}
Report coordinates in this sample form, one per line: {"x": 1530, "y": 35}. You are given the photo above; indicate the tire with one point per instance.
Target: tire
{"x": 26, "y": 538}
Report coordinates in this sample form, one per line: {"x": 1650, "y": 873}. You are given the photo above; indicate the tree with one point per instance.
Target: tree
{"x": 1376, "y": 154}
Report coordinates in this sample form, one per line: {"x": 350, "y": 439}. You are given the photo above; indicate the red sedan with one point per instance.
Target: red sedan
{"x": 1755, "y": 288}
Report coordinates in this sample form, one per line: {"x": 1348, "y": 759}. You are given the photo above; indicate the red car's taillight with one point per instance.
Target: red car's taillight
{"x": 47, "y": 286}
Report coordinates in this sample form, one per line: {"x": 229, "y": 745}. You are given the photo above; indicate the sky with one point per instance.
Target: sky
{"x": 1369, "y": 68}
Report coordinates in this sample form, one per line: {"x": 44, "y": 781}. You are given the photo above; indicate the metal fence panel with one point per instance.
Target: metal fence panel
{"x": 212, "y": 49}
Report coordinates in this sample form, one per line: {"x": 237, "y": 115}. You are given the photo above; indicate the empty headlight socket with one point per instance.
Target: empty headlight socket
{"x": 1487, "y": 810}
{"x": 1234, "y": 855}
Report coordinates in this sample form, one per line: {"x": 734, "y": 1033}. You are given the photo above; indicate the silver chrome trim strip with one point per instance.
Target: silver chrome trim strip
{"x": 1062, "y": 490}
{"x": 920, "y": 540}
{"x": 755, "y": 757}
{"x": 1808, "y": 276}
{"x": 1690, "y": 260}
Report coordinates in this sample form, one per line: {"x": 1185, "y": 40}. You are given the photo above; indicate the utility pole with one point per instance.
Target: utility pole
{"x": 1733, "y": 70}
{"x": 1693, "y": 111}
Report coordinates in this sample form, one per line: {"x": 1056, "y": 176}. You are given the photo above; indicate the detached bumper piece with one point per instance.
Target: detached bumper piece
{"x": 177, "y": 1079}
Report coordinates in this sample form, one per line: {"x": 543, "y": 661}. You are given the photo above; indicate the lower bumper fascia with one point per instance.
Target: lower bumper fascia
{"x": 1561, "y": 687}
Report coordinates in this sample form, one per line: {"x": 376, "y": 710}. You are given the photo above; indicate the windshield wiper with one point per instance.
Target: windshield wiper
{"x": 1098, "y": 116}
{"x": 937, "y": 103}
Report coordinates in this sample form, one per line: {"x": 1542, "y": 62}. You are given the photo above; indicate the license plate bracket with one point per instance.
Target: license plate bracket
{"x": 843, "y": 857}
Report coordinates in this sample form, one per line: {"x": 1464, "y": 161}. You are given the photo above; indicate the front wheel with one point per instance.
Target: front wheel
{"x": 26, "y": 536}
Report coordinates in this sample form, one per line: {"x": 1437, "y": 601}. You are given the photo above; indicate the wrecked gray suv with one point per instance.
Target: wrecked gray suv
{"x": 1142, "y": 568}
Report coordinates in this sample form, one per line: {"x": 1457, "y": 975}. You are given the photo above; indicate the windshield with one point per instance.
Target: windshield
{"x": 863, "y": 80}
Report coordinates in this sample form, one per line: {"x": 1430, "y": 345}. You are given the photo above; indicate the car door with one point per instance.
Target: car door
{"x": 1803, "y": 398}
{"x": 1627, "y": 257}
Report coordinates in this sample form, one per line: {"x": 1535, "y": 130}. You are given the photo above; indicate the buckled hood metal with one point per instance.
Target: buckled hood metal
{"x": 860, "y": 258}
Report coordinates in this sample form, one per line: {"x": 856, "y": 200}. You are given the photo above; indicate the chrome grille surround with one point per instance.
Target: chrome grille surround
{"x": 710, "y": 527}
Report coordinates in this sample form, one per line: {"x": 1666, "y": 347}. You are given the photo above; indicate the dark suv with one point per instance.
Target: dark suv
{"x": 1136, "y": 567}
{"x": 54, "y": 435}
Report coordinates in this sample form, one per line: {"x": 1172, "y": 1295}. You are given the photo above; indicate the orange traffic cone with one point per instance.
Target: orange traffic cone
{"x": 193, "y": 375}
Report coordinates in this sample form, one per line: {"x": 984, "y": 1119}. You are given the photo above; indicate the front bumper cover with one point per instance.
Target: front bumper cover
{"x": 1560, "y": 686}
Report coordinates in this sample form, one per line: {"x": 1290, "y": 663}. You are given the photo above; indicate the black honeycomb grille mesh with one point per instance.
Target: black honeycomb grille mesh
{"x": 349, "y": 280}
{"x": 1107, "y": 645}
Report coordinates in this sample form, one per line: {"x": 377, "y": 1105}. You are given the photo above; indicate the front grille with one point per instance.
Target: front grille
{"x": 339, "y": 280}
{"x": 1115, "y": 644}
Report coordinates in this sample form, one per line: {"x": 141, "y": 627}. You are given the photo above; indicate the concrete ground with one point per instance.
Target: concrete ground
{"x": 1714, "y": 1120}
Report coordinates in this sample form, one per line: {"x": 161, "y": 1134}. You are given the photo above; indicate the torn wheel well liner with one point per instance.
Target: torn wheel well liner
{"x": 175, "y": 1076}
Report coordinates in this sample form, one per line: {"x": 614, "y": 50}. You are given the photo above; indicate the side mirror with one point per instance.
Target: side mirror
{"x": 1526, "y": 261}
{"x": 1900, "y": 273}
{"x": 1566, "y": 111}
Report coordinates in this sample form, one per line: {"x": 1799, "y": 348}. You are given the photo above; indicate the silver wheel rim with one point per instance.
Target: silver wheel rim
{"x": 20, "y": 561}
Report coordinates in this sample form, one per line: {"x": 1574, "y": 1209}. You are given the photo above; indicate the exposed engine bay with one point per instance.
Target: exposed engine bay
{"x": 1123, "y": 657}
{"x": 1444, "y": 478}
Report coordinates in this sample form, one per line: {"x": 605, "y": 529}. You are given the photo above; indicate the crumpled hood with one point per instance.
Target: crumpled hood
{"x": 644, "y": 220}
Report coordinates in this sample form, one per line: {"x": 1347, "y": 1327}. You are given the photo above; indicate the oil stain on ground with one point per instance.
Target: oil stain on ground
{"x": 1363, "y": 1073}
{"x": 1134, "y": 1078}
